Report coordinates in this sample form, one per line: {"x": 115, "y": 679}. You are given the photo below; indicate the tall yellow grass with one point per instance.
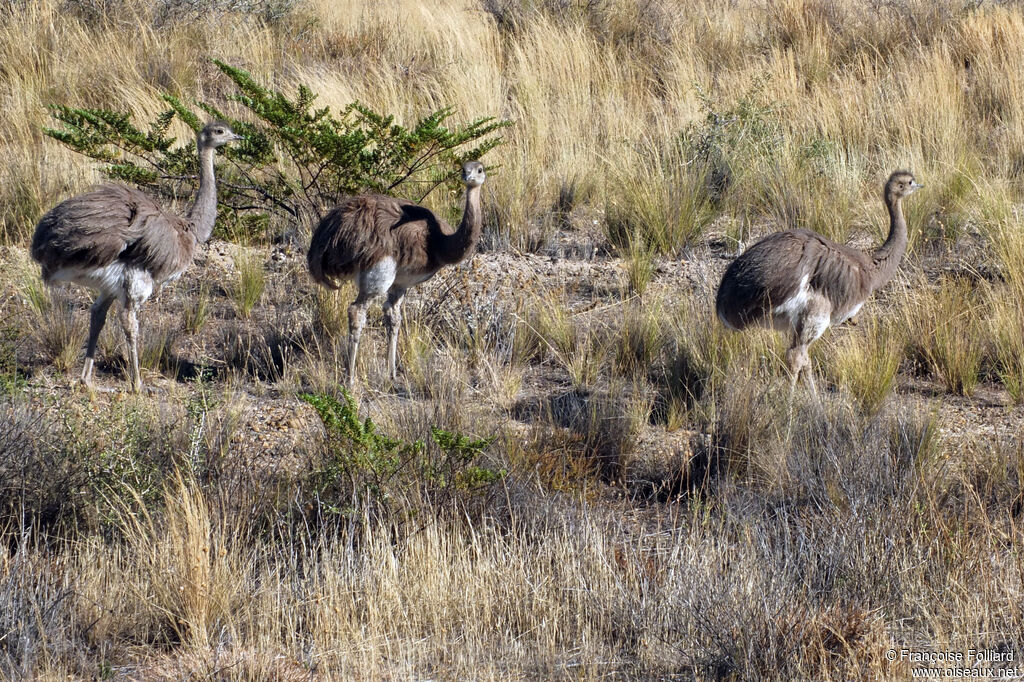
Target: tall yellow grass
{"x": 856, "y": 91}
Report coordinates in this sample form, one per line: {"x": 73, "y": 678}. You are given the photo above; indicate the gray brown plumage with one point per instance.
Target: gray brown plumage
{"x": 112, "y": 223}
{"x": 120, "y": 242}
{"x": 800, "y": 282}
{"x": 388, "y": 245}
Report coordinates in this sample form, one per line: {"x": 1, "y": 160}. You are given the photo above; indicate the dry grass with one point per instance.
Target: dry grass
{"x": 559, "y": 589}
{"x": 866, "y": 362}
{"x": 656, "y": 116}
{"x": 57, "y": 328}
{"x": 198, "y": 311}
{"x": 249, "y": 284}
{"x": 945, "y": 332}
{"x": 669, "y": 512}
{"x": 1007, "y": 334}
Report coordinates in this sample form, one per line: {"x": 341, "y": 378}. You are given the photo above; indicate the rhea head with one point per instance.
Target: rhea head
{"x": 901, "y": 184}
{"x": 473, "y": 174}
{"x": 217, "y": 134}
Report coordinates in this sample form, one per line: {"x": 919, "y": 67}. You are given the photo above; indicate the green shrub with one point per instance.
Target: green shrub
{"x": 295, "y": 159}
{"x": 362, "y": 469}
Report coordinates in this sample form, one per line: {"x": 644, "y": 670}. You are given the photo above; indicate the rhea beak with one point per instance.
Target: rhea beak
{"x": 915, "y": 186}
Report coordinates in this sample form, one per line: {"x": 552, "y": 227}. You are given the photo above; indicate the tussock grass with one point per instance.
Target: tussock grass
{"x": 1006, "y": 322}
{"x": 186, "y": 569}
{"x": 700, "y": 355}
{"x": 639, "y": 268}
{"x": 945, "y": 332}
{"x": 553, "y": 333}
{"x": 656, "y": 204}
{"x": 435, "y": 371}
{"x": 865, "y": 362}
{"x": 250, "y": 283}
{"x": 197, "y": 311}
{"x": 270, "y": 352}
{"x": 330, "y": 310}
{"x": 661, "y": 121}
{"x": 57, "y": 327}
{"x": 827, "y": 497}
{"x": 155, "y": 347}
{"x": 641, "y": 338}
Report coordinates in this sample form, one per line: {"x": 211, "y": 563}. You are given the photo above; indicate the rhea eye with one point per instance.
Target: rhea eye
{"x": 220, "y": 131}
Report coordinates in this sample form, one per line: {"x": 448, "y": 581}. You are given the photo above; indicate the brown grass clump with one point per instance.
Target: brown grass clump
{"x": 57, "y": 327}
{"x": 250, "y": 283}
{"x": 865, "y": 361}
{"x": 945, "y": 333}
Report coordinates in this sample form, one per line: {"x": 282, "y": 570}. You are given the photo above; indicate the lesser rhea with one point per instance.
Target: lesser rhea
{"x": 800, "y": 282}
{"x": 120, "y": 242}
{"x": 388, "y": 245}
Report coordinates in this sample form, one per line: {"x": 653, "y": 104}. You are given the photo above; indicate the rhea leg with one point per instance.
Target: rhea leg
{"x": 138, "y": 287}
{"x": 392, "y": 323}
{"x": 356, "y": 320}
{"x": 130, "y": 321}
{"x": 812, "y": 323}
{"x": 799, "y": 363}
{"x": 97, "y": 318}
{"x": 373, "y": 282}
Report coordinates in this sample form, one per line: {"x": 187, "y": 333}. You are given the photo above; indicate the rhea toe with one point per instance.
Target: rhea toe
{"x": 801, "y": 283}
{"x": 121, "y": 243}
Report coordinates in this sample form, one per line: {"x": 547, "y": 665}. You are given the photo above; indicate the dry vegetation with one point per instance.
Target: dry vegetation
{"x": 662, "y": 510}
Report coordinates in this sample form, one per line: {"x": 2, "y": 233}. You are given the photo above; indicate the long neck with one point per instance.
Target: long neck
{"x": 203, "y": 212}
{"x": 887, "y": 256}
{"x": 457, "y": 246}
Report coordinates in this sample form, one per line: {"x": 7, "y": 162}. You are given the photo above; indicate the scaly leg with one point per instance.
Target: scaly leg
{"x": 800, "y": 367}
{"x": 130, "y": 320}
{"x": 809, "y": 372}
{"x": 97, "y": 318}
{"x": 392, "y": 323}
{"x": 356, "y": 320}
{"x": 373, "y": 282}
{"x": 814, "y": 320}
{"x": 793, "y": 363}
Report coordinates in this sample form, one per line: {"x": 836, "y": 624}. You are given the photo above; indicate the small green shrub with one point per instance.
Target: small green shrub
{"x": 364, "y": 469}
{"x": 733, "y": 138}
{"x": 295, "y": 158}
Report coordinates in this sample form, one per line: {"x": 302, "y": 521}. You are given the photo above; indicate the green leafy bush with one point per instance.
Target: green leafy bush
{"x": 296, "y": 160}
{"x": 361, "y": 468}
